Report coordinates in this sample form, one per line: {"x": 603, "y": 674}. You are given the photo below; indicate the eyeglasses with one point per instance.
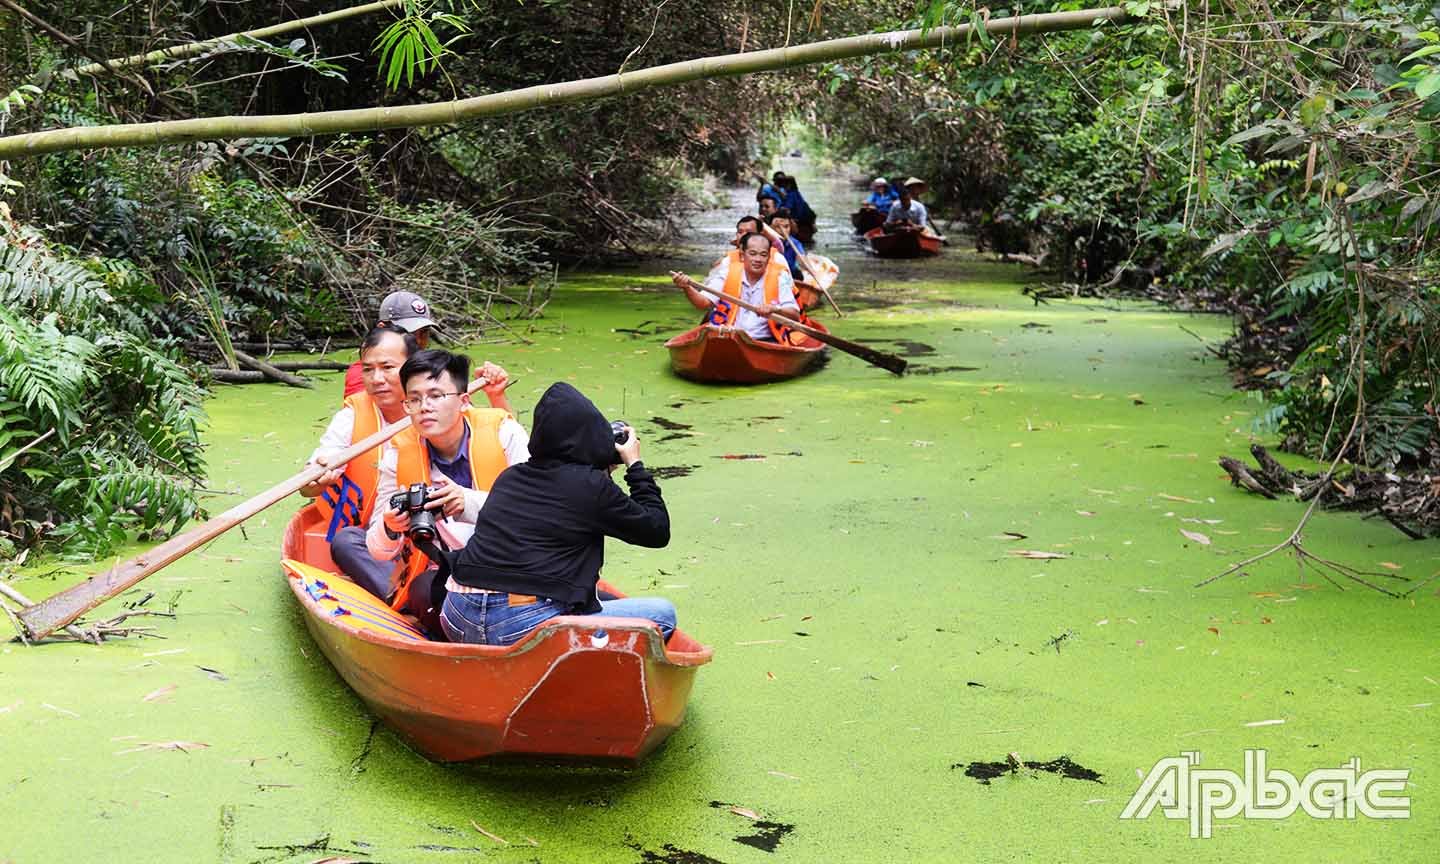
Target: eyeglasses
{"x": 423, "y": 402}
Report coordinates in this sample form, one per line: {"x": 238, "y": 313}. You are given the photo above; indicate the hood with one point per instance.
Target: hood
{"x": 569, "y": 428}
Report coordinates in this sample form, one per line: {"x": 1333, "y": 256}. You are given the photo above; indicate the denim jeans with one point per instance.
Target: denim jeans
{"x": 489, "y": 619}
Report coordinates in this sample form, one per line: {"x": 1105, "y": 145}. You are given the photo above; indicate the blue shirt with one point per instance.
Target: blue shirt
{"x": 881, "y": 200}
{"x": 794, "y": 251}
{"x": 457, "y": 469}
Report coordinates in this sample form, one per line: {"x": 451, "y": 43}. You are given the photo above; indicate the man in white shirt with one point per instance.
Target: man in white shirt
{"x": 760, "y": 281}
{"x": 907, "y": 212}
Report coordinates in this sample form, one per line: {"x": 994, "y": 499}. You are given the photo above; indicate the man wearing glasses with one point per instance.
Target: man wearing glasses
{"x": 455, "y": 448}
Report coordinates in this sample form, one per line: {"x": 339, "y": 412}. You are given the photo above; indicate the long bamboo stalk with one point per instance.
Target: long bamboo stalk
{"x": 190, "y": 49}
{"x": 62, "y": 608}
{"x": 445, "y": 113}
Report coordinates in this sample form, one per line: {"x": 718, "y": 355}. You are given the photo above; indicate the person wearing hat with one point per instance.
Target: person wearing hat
{"x": 881, "y": 196}
{"x": 406, "y": 310}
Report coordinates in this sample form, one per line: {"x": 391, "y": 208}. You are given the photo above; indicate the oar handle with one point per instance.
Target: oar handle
{"x": 62, "y": 608}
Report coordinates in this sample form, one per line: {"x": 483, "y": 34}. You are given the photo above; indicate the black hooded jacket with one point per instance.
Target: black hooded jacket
{"x": 542, "y": 530}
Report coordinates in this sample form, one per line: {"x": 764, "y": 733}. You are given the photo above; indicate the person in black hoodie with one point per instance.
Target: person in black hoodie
{"x": 539, "y": 541}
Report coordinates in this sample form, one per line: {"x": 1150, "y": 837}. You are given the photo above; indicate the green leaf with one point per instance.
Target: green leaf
{"x": 1423, "y": 52}
{"x": 1429, "y": 85}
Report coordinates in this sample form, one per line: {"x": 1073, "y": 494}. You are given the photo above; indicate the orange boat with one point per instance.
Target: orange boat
{"x": 580, "y": 686}
{"x": 902, "y": 244}
{"x": 728, "y": 355}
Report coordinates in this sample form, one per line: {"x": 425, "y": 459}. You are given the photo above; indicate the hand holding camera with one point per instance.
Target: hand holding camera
{"x": 627, "y": 446}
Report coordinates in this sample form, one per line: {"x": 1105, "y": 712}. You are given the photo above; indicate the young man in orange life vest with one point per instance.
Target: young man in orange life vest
{"x": 456, "y": 450}
{"x": 754, "y": 275}
{"x": 347, "y": 496}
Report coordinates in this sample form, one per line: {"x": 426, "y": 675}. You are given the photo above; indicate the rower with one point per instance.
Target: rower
{"x": 880, "y": 198}
{"x": 908, "y": 214}
{"x": 405, "y": 310}
{"x": 783, "y": 224}
{"x": 758, "y": 279}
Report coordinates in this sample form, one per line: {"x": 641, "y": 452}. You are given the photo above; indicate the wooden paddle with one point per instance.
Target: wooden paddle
{"x": 800, "y": 256}
{"x": 888, "y": 362}
{"x": 62, "y": 608}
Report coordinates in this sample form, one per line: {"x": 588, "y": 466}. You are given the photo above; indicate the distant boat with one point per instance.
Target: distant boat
{"x": 866, "y": 219}
{"x": 728, "y": 355}
{"x": 902, "y": 244}
{"x": 585, "y": 686}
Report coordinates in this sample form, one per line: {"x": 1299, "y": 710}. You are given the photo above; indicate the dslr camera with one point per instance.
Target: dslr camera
{"x": 412, "y": 501}
{"x": 617, "y": 431}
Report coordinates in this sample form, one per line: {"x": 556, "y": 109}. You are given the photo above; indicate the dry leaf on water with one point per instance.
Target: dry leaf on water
{"x": 1196, "y": 536}
{"x": 1010, "y": 535}
{"x": 745, "y": 811}
{"x": 156, "y": 695}
{"x": 1390, "y": 565}
{"x": 182, "y": 746}
{"x": 1178, "y": 498}
{"x": 1034, "y": 553}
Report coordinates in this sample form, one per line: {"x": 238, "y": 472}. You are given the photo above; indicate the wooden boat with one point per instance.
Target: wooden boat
{"x": 728, "y": 355}
{"x": 582, "y": 686}
{"x": 866, "y": 219}
{"x": 902, "y": 244}
{"x": 809, "y": 294}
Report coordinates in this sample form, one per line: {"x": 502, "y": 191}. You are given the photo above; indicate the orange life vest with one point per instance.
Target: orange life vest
{"x": 487, "y": 460}
{"x": 351, "y": 499}
{"x": 724, "y": 313}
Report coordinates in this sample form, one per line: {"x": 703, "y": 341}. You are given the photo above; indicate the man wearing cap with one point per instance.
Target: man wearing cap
{"x": 880, "y": 197}
{"x": 406, "y": 310}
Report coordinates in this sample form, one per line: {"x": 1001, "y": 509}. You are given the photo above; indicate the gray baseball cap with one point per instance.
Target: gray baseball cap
{"x": 406, "y": 309}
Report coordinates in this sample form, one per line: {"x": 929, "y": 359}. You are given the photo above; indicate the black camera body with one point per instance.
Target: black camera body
{"x": 413, "y": 501}
{"x": 617, "y": 432}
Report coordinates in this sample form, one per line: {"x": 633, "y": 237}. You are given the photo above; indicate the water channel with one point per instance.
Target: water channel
{"x": 906, "y": 581}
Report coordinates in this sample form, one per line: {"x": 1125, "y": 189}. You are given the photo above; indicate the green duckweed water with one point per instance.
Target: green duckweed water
{"x": 874, "y": 633}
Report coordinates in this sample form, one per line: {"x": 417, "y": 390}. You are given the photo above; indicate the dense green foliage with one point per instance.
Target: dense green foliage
{"x": 114, "y": 415}
{"x": 272, "y": 240}
{"x": 1277, "y": 166}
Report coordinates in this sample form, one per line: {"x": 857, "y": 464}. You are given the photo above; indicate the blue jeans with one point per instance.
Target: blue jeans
{"x": 489, "y": 619}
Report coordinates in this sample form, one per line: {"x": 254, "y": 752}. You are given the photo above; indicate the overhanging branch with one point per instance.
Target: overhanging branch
{"x": 445, "y": 113}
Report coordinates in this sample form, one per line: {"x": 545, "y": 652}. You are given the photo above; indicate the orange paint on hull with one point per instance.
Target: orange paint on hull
{"x": 727, "y": 355}
{"x": 902, "y": 244}
{"x": 580, "y": 686}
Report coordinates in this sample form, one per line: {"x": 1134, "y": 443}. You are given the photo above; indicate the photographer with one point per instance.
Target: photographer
{"x": 449, "y": 458}
{"x": 539, "y": 543}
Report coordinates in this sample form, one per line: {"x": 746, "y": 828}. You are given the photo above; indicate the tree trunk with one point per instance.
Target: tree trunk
{"x": 445, "y": 113}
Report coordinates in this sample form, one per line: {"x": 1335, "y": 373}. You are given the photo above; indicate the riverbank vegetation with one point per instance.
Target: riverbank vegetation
{"x": 1274, "y": 163}
{"x": 1273, "y": 160}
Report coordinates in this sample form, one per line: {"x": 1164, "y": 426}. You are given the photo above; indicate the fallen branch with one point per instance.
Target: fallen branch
{"x": 272, "y": 372}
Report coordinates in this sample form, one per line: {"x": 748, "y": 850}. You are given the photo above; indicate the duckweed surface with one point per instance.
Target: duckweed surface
{"x": 860, "y": 573}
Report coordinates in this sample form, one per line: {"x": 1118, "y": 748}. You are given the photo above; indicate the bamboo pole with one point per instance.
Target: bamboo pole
{"x": 58, "y": 610}
{"x": 445, "y": 113}
{"x": 190, "y": 49}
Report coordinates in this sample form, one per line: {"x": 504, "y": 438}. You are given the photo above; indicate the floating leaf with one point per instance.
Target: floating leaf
{"x": 1390, "y": 565}
{"x": 745, "y": 811}
{"x": 1037, "y": 554}
{"x": 1196, "y": 536}
{"x": 157, "y": 695}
